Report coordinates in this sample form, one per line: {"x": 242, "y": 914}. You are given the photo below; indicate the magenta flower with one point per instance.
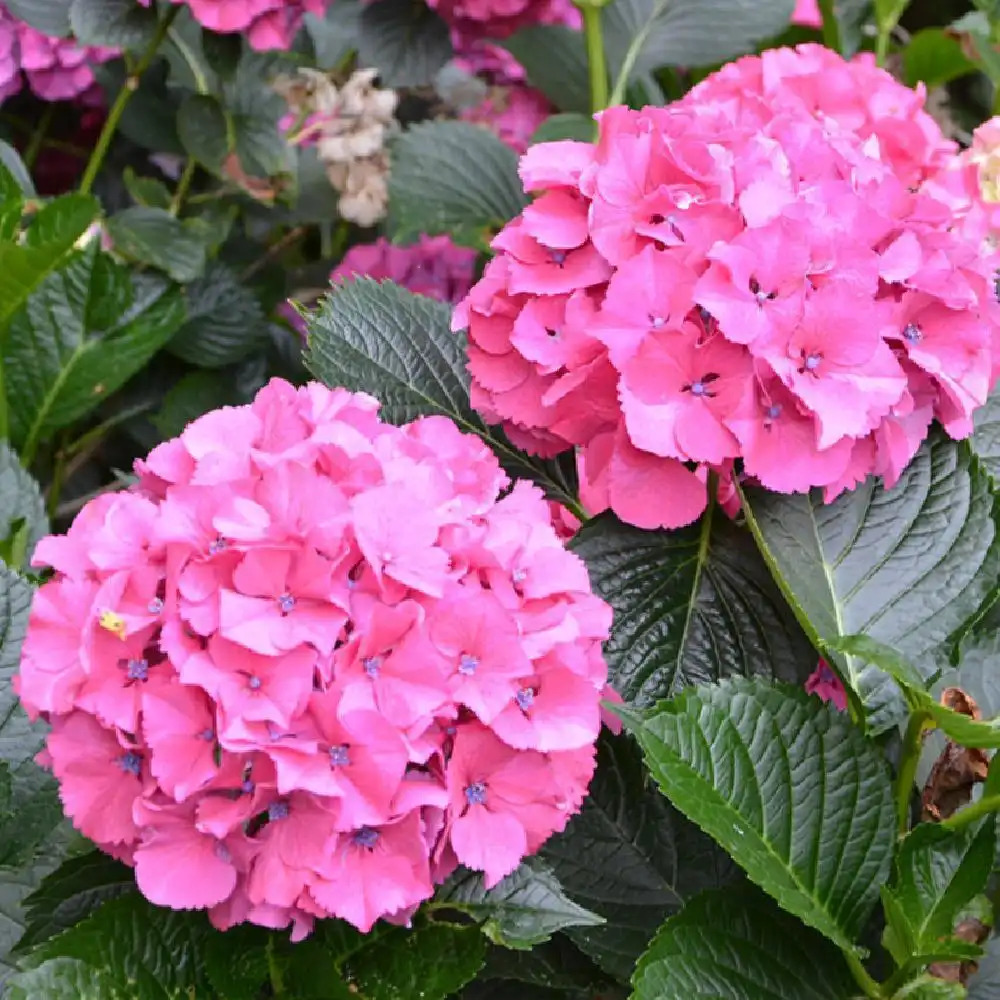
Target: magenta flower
{"x": 273, "y": 662}
{"x": 511, "y": 113}
{"x": 434, "y": 266}
{"x": 786, "y": 275}
{"x": 827, "y": 686}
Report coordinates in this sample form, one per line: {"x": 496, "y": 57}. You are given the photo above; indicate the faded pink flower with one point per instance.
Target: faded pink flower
{"x": 280, "y": 663}
{"x": 788, "y": 274}
{"x": 433, "y": 266}
{"x": 511, "y": 113}
{"x": 827, "y": 686}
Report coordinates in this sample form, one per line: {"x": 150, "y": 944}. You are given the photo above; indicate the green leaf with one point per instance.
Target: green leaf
{"x": 629, "y": 857}
{"x": 11, "y": 160}
{"x": 928, "y": 987}
{"x": 556, "y": 965}
{"x": 119, "y": 24}
{"x": 555, "y": 61}
{"x": 146, "y": 190}
{"x": 691, "y": 606}
{"x": 19, "y": 739}
{"x": 938, "y": 872}
{"x": 194, "y": 394}
{"x": 49, "y": 242}
{"x": 21, "y": 505}
{"x": 429, "y": 962}
{"x": 935, "y": 57}
{"x": 66, "y": 353}
{"x": 71, "y": 893}
{"x": 236, "y": 961}
{"x": 737, "y": 945}
{"x": 334, "y": 34}
{"x": 222, "y": 52}
{"x": 966, "y": 731}
{"x": 408, "y": 43}
{"x": 986, "y": 436}
{"x": 203, "y": 130}
{"x": 523, "y": 910}
{"x": 61, "y": 979}
{"x": 451, "y": 177}
{"x": 34, "y": 816}
{"x": 655, "y": 33}
{"x": 254, "y": 111}
{"x": 564, "y": 126}
{"x": 911, "y": 567}
{"x": 788, "y": 787}
{"x": 155, "y": 237}
{"x": 225, "y": 322}
{"x": 50, "y": 17}
{"x": 378, "y": 338}
{"x": 143, "y": 950}
{"x": 985, "y": 984}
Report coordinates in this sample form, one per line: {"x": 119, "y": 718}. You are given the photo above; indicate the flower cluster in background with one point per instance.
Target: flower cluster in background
{"x": 56, "y": 69}
{"x": 513, "y": 113}
{"x": 314, "y": 663}
{"x": 789, "y": 268}
{"x": 267, "y": 24}
{"x": 349, "y": 126}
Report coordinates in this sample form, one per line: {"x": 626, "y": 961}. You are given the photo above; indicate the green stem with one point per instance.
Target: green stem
{"x": 121, "y": 102}
{"x": 274, "y": 970}
{"x": 38, "y": 136}
{"x": 4, "y": 422}
{"x": 831, "y": 26}
{"x": 986, "y": 805}
{"x": 183, "y": 186}
{"x": 861, "y": 977}
{"x": 912, "y": 744}
{"x": 55, "y": 487}
{"x": 882, "y": 46}
{"x": 595, "y": 58}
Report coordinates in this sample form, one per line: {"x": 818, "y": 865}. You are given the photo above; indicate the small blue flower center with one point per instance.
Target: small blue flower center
{"x": 372, "y": 665}
{"x": 286, "y": 603}
{"x": 518, "y": 576}
{"x": 222, "y": 852}
{"x": 207, "y": 735}
{"x": 254, "y": 682}
{"x": 366, "y": 837}
{"x": 130, "y": 763}
{"x": 558, "y": 257}
{"x": 656, "y": 321}
{"x": 217, "y": 545}
{"x": 912, "y": 333}
{"x": 812, "y": 362}
{"x": 155, "y": 606}
{"x": 248, "y": 787}
{"x": 340, "y": 756}
{"x": 525, "y": 698}
{"x": 138, "y": 670}
{"x": 468, "y": 664}
{"x": 277, "y": 810}
{"x": 698, "y": 388}
{"x": 475, "y": 794}
{"x": 773, "y": 411}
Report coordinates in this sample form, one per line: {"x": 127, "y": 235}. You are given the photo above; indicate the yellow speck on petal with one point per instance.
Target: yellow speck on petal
{"x": 113, "y": 623}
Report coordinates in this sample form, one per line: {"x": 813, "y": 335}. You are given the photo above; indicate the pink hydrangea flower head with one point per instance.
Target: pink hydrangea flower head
{"x": 56, "y": 69}
{"x": 473, "y": 21}
{"x": 310, "y": 658}
{"x": 787, "y": 275}
{"x": 511, "y": 113}
{"x": 268, "y": 24}
{"x": 433, "y": 266}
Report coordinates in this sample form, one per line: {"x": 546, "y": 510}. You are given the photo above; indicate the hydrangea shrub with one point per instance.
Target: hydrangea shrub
{"x": 499, "y": 499}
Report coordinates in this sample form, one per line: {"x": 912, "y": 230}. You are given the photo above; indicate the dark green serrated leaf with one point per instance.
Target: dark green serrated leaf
{"x": 555, "y": 61}
{"x": 629, "y": 857}
{"x": 524, "y": 909}
{"x": 195, "y": 394}
{"x": 119, "y": 24}
{"x": 34, "y": 816}
{"x": 556, "y": 965}
{"x": 143, "y": 950}
{"x": 19, "y": 739}
{"x": 429, "y": 962}
{"x": 407, "y": 43}
{"x": 254, "y": 111}
{"x": 153, "y": 236}
{"x": 150, "y": 117}
{"x": 225, "y": 323}
{"x": 59, "y": 365}
{"x": 910, "y": 567}
{"x": 236, "y": 962}
{"x": 146, "y": 190}
{"x": 691, "y": 606}
{"x": 938, "y": 872}
{"x": 985, "y": 984}
{"x": 50, "y": 17}
{"x": 203, "y": 130}
{"x": 688, "y": 32}
{"x": 222, "y": 52}
{"x": 934, "y": 57}
{"x": 451, "y": 177}
{"x": 565, "y": 126}
{"x": 62, "y": 979}
{"x": 21, "y": 504}
{"x": 737, "y": 945}
{"x": 379, "y": 338}
{"x": 48, "y": 244}
{"x": 986, "y": 436}
{"x": 11, "y": 160}
{"x": 71, "y": 893}
{"x": 928, "y": 987}
{"x": 334, "y": 34}
{"x": 788, "y": 787}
